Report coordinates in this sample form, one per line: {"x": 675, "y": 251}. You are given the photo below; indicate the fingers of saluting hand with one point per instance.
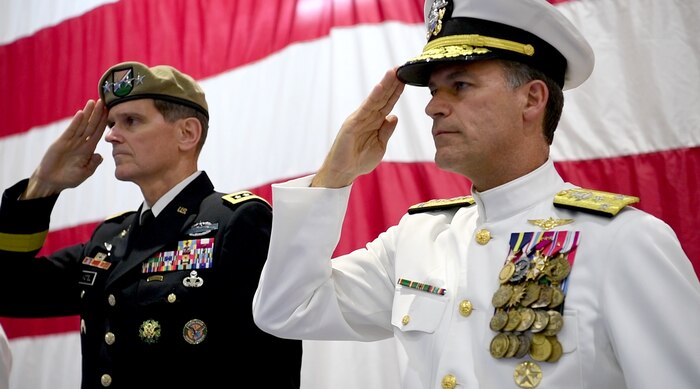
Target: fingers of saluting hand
{"x": 361, "y": 142}
{"x": 96, "y": 124}
{"x": 385, "y": 94}
{"x": 387, "y": 129}
{"x": 88, "y": 124}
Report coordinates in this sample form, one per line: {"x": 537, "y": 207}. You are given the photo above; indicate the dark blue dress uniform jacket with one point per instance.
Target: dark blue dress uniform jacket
{"x": 134, "y": 324}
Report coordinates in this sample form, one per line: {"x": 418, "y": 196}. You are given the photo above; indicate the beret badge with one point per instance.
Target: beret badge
{"x": 122, "y": 82}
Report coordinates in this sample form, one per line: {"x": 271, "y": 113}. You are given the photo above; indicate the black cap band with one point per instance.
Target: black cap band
{"x": 493, "y": 41}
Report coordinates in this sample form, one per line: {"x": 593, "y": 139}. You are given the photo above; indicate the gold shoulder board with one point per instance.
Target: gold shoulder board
{"x": 239, "y": 197}
{"x": 593, "y": 201}
{"x": 118, "y": 216}
{"x": 440, "y": 204}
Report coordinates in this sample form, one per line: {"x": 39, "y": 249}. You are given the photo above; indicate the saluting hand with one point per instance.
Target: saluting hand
{"x": 71, "y": 158}
{"x": 361, "y": 142}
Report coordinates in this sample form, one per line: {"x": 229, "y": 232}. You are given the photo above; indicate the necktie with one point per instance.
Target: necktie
{"x": 147, "y": 217}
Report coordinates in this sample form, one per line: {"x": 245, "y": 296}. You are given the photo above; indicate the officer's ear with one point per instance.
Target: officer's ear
{"x": 535, "y": 102}
{"x": 189, "y": 132}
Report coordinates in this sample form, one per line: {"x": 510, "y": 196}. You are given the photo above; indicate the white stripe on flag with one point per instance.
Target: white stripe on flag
{"x": 21, "y": 18}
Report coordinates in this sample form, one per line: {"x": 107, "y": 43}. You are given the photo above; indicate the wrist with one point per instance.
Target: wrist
{"x": 332, "y": 179}
{"x": 37, "y": 189}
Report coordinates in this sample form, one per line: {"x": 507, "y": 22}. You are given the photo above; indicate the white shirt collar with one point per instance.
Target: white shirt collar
{"x": 169, "y": 196}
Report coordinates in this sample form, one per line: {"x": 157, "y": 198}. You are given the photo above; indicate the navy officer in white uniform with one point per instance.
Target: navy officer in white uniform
{"x": 527, "y": 281}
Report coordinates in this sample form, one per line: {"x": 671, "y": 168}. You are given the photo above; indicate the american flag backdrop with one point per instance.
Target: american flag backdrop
{"x": 282, "y": 75}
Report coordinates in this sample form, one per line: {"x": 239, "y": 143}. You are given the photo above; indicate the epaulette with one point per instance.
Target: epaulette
{"x": 441, "y": 204}
{"x": 593, "y": 201}
{"x": 244, "y": 195}
{"x": 117, "y": 217}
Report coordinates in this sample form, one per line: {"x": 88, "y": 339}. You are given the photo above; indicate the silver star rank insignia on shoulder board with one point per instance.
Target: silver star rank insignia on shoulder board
{"x": 550, "y": 223}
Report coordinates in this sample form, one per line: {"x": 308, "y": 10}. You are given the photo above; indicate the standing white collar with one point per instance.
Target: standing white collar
{"x": 516, "y": 196}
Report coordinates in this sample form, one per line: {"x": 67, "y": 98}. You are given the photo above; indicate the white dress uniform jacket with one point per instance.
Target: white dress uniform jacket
{"x": 631, "y": 312}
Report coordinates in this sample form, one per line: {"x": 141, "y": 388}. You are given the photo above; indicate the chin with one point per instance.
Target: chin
{"x": 454, "y": 165}
{"x": 443, "y": 162}
{"x": 121, "y": 176}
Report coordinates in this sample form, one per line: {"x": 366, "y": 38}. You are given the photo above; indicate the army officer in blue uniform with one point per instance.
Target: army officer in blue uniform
{"x": 149, "y": 286}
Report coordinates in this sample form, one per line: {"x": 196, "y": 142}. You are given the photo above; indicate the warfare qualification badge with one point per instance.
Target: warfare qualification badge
{"x": 192, "y": 281}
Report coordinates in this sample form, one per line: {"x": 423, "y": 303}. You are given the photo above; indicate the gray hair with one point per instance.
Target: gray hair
{"x": 518, "y": 73}
{"x": 173, "y": 111}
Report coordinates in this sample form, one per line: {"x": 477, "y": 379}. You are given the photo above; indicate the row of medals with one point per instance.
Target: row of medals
{"x": 528, "y": 303}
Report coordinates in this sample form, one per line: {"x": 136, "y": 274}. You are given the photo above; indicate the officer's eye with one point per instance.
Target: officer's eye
{"x": 459, "y": 85}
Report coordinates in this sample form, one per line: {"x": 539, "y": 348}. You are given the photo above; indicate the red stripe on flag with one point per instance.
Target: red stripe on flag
{"x": 20, "y": 328}
{"x": 61, "y": 65}
{"x": 68, "y": 236}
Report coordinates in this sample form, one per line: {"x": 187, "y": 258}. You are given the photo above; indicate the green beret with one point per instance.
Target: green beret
{"x": 133, "y": 80}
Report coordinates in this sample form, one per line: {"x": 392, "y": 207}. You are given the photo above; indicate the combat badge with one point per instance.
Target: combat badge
{"x": 202, "y": 228}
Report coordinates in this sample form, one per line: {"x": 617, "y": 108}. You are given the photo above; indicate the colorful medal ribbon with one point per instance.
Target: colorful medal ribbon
{"x": 190, "y": 254}
{"x": 421, "y": 286}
